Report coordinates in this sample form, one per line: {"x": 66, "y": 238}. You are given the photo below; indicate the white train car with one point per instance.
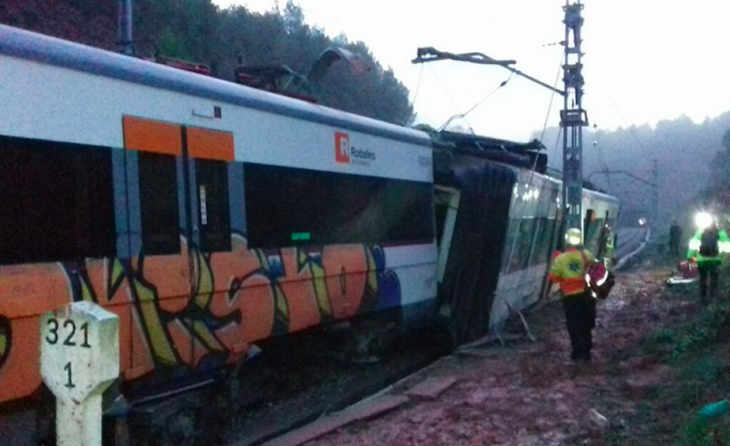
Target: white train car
{"x": 205, "y": 214}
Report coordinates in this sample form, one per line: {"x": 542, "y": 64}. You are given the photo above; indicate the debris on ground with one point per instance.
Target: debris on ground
{"x": 657, "y": 362}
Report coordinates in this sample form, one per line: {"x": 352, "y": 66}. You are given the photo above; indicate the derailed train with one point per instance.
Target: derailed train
{"x": 209, "y": 216}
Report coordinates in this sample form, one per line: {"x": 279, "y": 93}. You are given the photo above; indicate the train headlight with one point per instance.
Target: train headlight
{"x": 703, "y": 220}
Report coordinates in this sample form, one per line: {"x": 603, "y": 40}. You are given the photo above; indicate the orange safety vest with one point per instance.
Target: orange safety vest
{"x": 569, "y": 271}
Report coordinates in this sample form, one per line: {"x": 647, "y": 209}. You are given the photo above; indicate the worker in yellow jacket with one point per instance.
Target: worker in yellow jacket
{"x": 568, "y": 270}
{"x": 708, "y": 246}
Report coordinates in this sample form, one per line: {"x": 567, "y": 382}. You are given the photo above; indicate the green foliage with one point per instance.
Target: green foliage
{"x": 700, "y": 432}
{"x": 198, "y": 31}
{"x": 706, "y": 330}
{"x": 172, "y": 45}
{"x": 660, "y": 341}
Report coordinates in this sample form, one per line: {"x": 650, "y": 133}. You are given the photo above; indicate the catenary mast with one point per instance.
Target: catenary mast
{"x": 573, "y": 117}
{"x": 125, "y": 38}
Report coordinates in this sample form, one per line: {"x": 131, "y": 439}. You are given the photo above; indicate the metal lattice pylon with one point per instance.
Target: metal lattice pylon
{"x": 573, "y": 117}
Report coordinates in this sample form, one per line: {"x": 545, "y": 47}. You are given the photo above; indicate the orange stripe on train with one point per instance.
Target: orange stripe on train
{"x": 152, "y": 136}
{"x": 209, "y": 144}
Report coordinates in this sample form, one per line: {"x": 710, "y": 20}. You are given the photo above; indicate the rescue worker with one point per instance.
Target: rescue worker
{"x": 609, "y": 247}
{"x": 568, "y": 270}
{"x": 706, "y": 248}
{"x": 675, "y": 234}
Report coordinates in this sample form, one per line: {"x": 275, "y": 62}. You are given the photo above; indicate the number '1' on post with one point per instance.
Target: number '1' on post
{"x": 79, "y": 360}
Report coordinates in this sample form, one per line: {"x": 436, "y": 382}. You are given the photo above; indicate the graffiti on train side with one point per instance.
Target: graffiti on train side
{"x": 5, "y": 339}
{"x": 203, "y": 312}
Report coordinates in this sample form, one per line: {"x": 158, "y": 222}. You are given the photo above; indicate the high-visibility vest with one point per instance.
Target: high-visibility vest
{"x": 696, "y": 241}
{"x": 569, "y": 271}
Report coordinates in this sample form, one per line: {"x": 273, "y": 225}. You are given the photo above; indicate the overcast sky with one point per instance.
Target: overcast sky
{"x": 646, "y": 60}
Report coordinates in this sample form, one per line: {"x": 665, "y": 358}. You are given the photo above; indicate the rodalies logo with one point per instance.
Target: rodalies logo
{"x": 342, "y": 148}
{"x": 347, "y": 154}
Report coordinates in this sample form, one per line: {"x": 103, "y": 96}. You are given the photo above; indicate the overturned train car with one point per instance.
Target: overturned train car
{"x": 210, "y": 216}
{"x": 499, "y": 221}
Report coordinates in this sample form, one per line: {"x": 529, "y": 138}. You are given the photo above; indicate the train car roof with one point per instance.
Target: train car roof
{"x": 53, "y": 51}
{"x": 524, "y": 155}
{"x": 602, "y": 195}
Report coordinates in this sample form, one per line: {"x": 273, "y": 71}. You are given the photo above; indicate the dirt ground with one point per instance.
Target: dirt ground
{"x": 659, "y": 357}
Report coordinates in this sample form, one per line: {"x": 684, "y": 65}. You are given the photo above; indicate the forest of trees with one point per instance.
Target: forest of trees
{"x": 693, "y": 161}
{"x": 199, "y": 31}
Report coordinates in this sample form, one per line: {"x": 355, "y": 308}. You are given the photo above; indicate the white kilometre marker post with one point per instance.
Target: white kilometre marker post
{"x": 79, "y": 360}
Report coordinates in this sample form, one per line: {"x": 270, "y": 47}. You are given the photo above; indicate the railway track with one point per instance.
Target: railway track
{"x": 339, "y": 384}
{"x": 629, "y": 239}
{"x": 297, "y": 386}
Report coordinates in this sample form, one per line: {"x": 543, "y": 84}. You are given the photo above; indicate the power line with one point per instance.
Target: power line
{"x": 480, "y": 102}
{"x": 446, "y": 90}
{"x": 552, "y": 96}
{"x": 418, "y": 88}
{"x": 629, "y": 127}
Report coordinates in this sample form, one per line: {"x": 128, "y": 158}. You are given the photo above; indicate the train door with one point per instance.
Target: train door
{"x": 179, "y": 213}
{"x": 159, "y": 261}
{"x": 208, "y": 156}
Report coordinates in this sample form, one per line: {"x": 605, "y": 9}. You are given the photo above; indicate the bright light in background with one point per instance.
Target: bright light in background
{"x": 573, "y": 237}
{"x": 703, "y": 220}
{"x": 638, "y": 66}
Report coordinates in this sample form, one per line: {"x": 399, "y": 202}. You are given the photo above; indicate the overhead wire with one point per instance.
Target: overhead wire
{"x": 418, "y": 88}
{"x": 557, "y": 140}
{"x": 529, "y": 187}
{"x": 478, "y": 103}
{"x": 552, "y": 97}
{"x": 604, "y": 166}
{"x": 446, "y": 90}
{"x": 630, "y": 127}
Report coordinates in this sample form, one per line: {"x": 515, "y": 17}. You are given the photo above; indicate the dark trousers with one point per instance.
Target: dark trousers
{"x": 674, "y": 246}
{"x": 580, "y": 315}
{"x": 708, "y": 272}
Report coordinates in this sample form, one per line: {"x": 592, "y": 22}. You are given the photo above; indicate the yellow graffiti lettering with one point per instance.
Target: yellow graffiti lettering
{"x": 117, "y": 270}
{"x": 372, "y": 272}
{"x": 204, "y": 335}
{"x": 205, "y": 283}
{"x": 320, "y": 284}
{"x": 3, "y": 345}
{"x": 282, "y": 307}
{"x": 280, "y": 302}
{"x": 159, "y": 341}
{"x": 86, "y": 292}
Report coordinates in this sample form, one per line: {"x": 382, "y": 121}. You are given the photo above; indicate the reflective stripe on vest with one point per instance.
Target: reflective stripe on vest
{"x": 572, "y": 286}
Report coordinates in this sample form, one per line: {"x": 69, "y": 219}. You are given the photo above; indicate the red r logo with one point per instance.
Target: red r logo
{"x": 342, "y": 148}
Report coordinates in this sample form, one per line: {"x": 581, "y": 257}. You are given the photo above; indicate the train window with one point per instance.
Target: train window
{"x": 214, "y": 218}
{"x": 525, "y": 242}
{"x": 510, "y": 250}
{"x": 287, "y": 206}
{"x": 56, "y": 201}
{"x": 537, "y": 255}
{"x": 549, "y": 238}
{"x": 587, "y": 224}
{"x": 158, "y": 199}
{"x": 543, "y": 242}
